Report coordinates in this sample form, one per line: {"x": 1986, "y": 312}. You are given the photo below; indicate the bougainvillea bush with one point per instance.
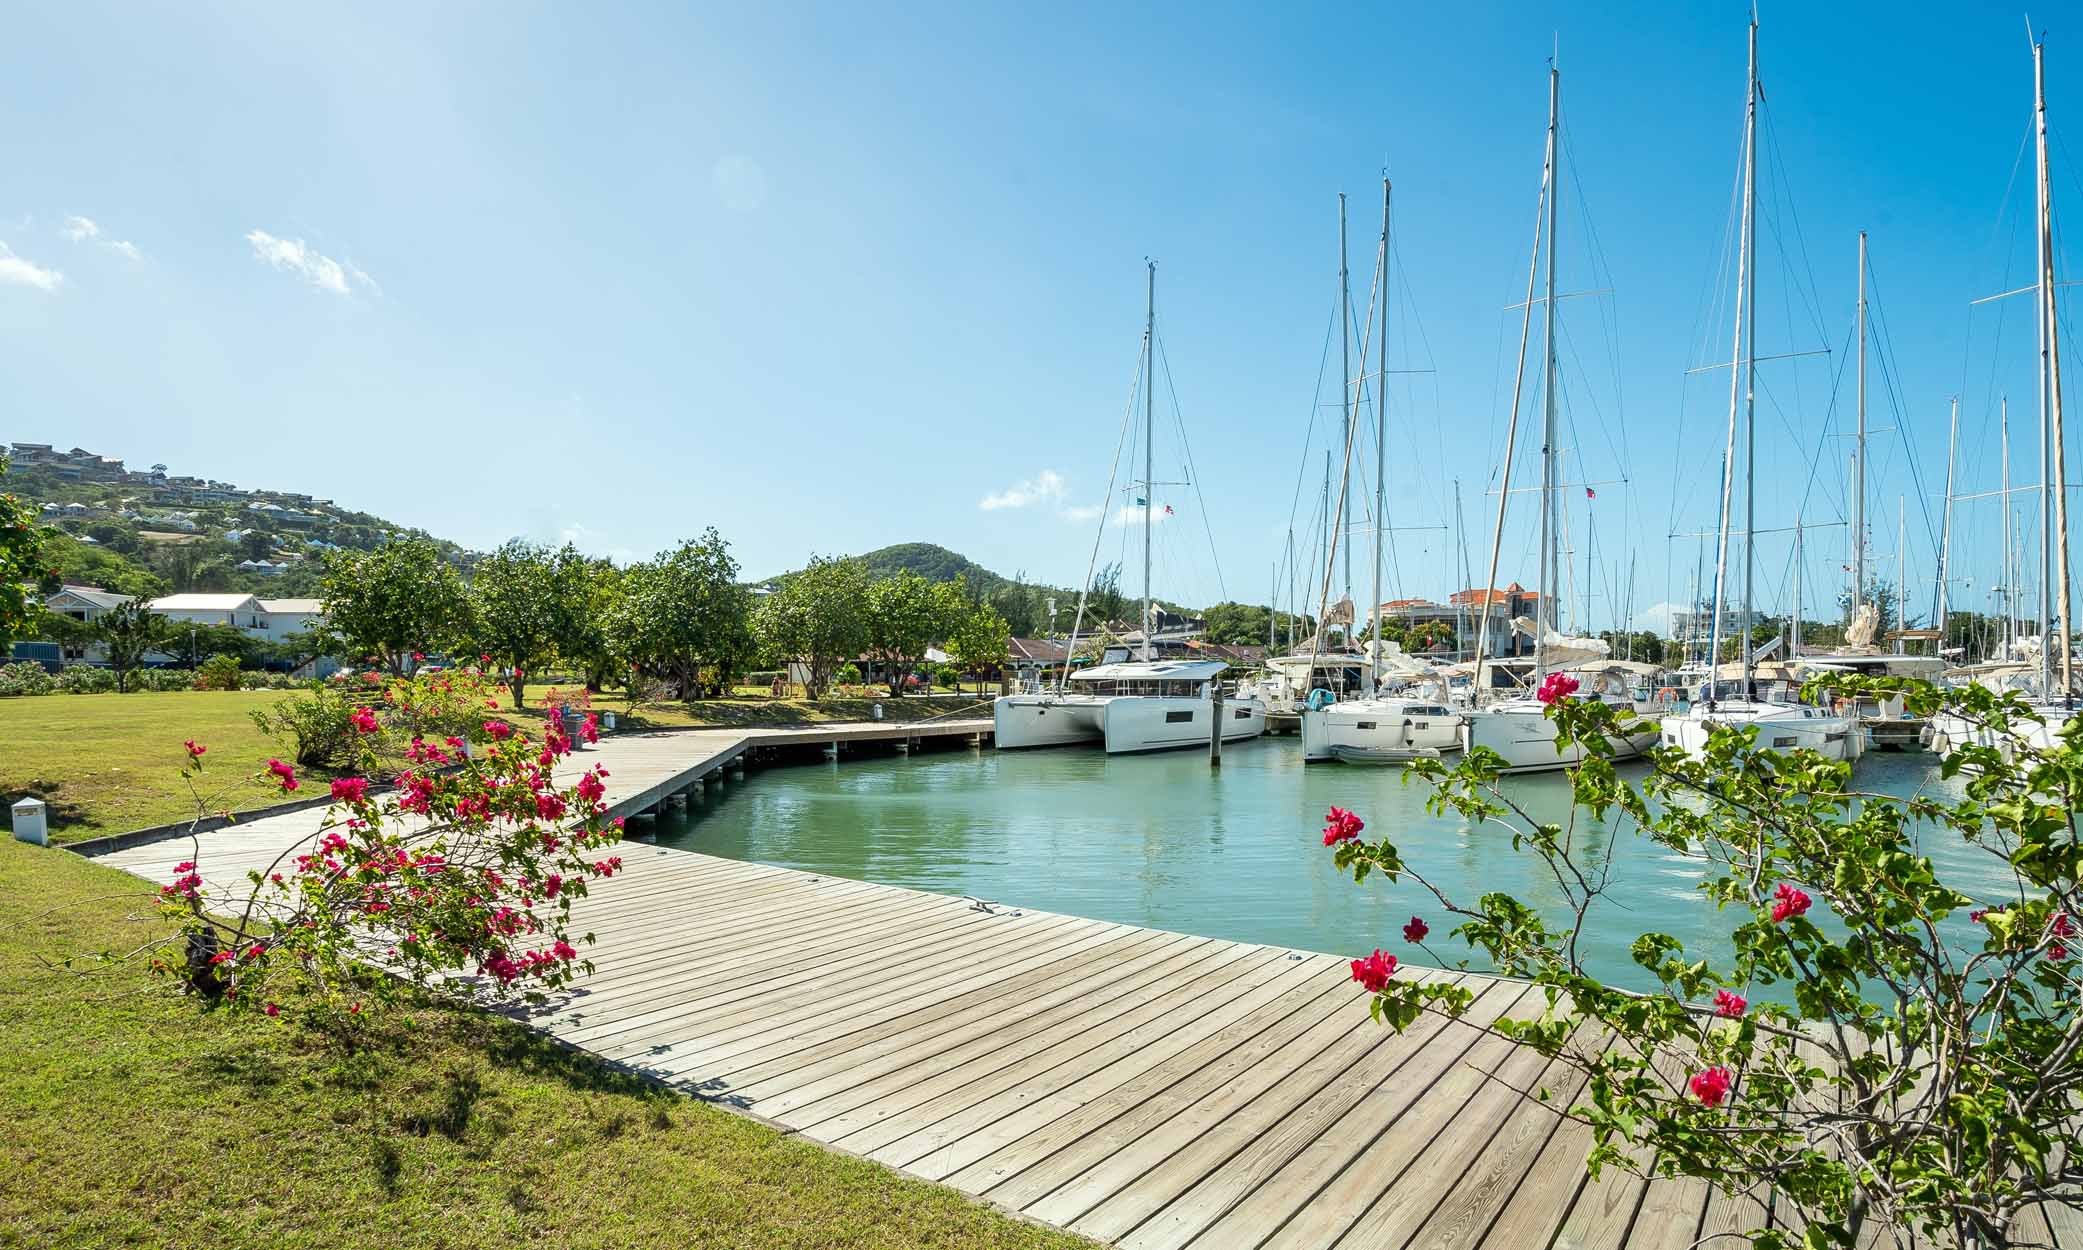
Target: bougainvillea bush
{"x": 460, "y": 880}
{"x": 1885, "y": 1051}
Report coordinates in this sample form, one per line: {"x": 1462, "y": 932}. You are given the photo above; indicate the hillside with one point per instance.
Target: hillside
{"x": 151, "y": 532}
{"x": 929, "y": 560}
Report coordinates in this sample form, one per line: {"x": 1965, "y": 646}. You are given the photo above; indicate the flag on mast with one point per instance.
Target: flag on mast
{"x": 1590, "y": 493}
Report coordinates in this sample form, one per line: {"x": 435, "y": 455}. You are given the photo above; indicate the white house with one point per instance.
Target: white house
{"x": 84, "y": 604}
{"x": 241, "y": 611}
{"x": 291, "y": 616}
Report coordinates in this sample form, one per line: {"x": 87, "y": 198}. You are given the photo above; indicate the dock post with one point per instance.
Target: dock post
{"x": 832, "y": 750}
{"x": 31, "y": 821}
{"x": 737, "y": 769}
{"x": 1215, "y": 734}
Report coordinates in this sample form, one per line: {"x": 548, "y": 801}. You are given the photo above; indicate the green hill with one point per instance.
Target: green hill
{"x": 929, "y": 560}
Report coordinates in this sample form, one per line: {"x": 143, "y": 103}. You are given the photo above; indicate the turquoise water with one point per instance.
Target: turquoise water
{"x": 1167, "y": 842}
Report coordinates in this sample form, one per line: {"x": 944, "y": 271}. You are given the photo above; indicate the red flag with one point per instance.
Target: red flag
{"x": 1590, "y": 493}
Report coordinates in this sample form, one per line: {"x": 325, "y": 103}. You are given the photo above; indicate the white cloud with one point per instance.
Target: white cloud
{"x": 1084, "y": 512}
{"x": 86, "y": 229}
{"x": 1132, "y": 514}
{"x": 24, "y": 272}
{"x": 296, "y": 256}
{"x": 1043, "y": 487}
{"x": 1658, "y": 618}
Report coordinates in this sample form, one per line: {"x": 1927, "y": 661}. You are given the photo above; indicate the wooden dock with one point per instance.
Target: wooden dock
{"x": 1148, "y": 1089}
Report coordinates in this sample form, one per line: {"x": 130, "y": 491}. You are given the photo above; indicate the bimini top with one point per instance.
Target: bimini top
{"x": 1154, "y": 670}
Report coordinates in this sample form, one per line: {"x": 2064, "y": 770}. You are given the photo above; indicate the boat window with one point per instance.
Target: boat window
{"x": 1243, "y": 713}
{"x": 1178, "y": 718}
{"x": 1365, "y": 724}
{"x": 1784, "y": 742}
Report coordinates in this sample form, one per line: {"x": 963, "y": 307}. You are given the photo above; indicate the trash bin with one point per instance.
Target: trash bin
{"x": 572, "y": 721}
{"x": 30, "y": 822}
{"x": 876, "y": 711}
{"x": 607, "y": 722}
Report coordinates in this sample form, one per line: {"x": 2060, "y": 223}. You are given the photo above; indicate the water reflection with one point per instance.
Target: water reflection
{"x": 1167, "y": 842}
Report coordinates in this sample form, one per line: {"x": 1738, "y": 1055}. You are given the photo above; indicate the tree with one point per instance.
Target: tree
{"x": 1020, "y": 605}
{"x": 814, "y": 617}
{"x": 1237, "y": 624}
{"x": 1104, "y": 603}
{"x": 905, "y": 614}
{"x": 528, "y": 606}
{"x": 190, "y": 643}
{"x": 681, "y": 611}
{"x": 256, "y": 544}
{"x": 401, "y": 598}
{"x": 1908, "y": 1061}
{"x": 980, "y": 642}
{"x": 22, "y": 565}
{"x": 129, "y": 631}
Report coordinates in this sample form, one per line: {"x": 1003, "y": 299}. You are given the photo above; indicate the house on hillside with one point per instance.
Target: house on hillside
{"x": 85, "y": 604}
{"x": 291, "y": 616}
{"x": 240, "y": 611}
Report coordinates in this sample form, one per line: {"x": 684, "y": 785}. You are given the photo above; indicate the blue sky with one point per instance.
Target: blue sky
{"x": 831, "y": 277}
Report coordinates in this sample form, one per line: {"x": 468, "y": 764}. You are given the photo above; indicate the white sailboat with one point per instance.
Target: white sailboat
{"x": 1379, "y": 726}
{"x": 1780, "y": 726}
{"x": 1143, "y": 705}
{"x": 2052, "y": 699}
{"x": 1518, "y": 729}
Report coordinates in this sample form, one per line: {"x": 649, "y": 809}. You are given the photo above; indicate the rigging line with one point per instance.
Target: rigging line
{"x": 1309, "y": 434}
{"x": 1823, "y": 430}
{"x": 1708, "y": 313}
{"x": 1135, "y": 389}
{"x": 1884, "y": 341}
{"x": 1822, "y": 333}
{"x": 1193, "y": 475}
{"x": 1569, "y": 345}
{"x": 2010, "y": 254}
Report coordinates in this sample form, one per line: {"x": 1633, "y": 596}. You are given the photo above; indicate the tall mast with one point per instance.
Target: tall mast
{"x": 1859, "y": 455}
{"x": 1551, "y": 563}
{"x": 1149, "y": 425}
{"x": 1346, "y": 403}
{"x": 1381, "y": 431}
{"x": 1750, "y": 354}
{"x": 1737, "y": 390}
{"x": 2041, "y": 246}
{"x": 2010, "y": 581}
{"x": 1945, "y": 529}
{"x": 1511, "y": 429}
{"x": 1901, "y": 570}
{"x": 2050, "y": 384}
{"x": 1795, "y": 644}
{"x": 1461, "y": 546}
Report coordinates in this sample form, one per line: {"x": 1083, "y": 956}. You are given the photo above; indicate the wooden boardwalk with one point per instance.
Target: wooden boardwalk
{"x": 1148, "y": 1089}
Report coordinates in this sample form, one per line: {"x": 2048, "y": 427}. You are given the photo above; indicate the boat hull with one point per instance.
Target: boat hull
{"x": 1364, "y": 732}
{"x": 1832, "y": 737}
{"x": 1123, "y": 724}
{"x": 1020, "y": 721}
{"x": 1951, "y": 731}
{"x": 1525, "y": 739}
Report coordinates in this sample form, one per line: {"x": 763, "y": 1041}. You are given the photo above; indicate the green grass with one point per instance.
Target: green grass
{"x": 134, "y": 1120}
{"x": 110, "y": 763}
{"x": 759, "y": 710}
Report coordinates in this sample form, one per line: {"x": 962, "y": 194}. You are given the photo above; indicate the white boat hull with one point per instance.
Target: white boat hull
{"x": 1780, "y": 728}
{"x": 1951, "y": 731}
{"x": 1376, "y": 731}
{"x": 1525, "y": 738}
{"x": 1123, "y": 724}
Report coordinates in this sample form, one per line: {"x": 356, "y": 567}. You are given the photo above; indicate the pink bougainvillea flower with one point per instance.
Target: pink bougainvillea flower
{"x": 1415, "y": 931}
{"x": 1788, "y": 902}
{"x": 1730, "y": 1005}
{"x": 1374, "y": 971}
{"x": 272, "y": 1009}
{"x": 285, "y": 776}
{"x": 1556, "y": 686}
{"x": 350, "y": 789}
{"x": 2057, "y": 950}
{"x": 195, "y": 749}
{"x": 364, "y": 720}
{"x": 590, "y": 789}
{"x": 499, "y": 730}
{"x": 1711, "y": 1086}
{"x": 1341, "y": 826}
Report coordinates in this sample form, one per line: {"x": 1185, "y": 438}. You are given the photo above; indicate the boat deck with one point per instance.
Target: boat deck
{"x": 1145, "y": 1088}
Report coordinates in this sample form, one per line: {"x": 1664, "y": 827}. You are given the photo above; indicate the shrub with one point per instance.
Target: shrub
{"x": 219, "y": 672}
{"x": 321, "y": 724}
{"x": 163, "y": 679}
{"x": 25, "y": 678}
{"x": 86, "y": 679}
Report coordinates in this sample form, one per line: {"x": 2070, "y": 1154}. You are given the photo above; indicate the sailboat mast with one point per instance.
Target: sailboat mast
{"x": 1736, "y": 378}
{"x": 1511, "y": 429}
{"x": 1543, "y": 609}
{"x": 1346, "y": 403}
{"x": 2040, "y": 264}
{"x": 2010, "y": 581}
{"x": 1750, "y": 354}
{"x": 1381, "y": 433}
{"x": 1945, "y": 529}
{"x": 1149, "y": 425}
{"x": 1795, "y": 642}
{"x": 1859, "y": 454}
{"x": 2050, "y": 349}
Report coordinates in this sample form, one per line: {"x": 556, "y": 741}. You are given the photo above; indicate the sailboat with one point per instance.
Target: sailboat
{"x": 1139, "y": 705}
{"x": 1380, "y": 726}
{"x": 1781, "y": 725}
{"x": 1518, "y": 729}
{"x": 2053, "y": 702}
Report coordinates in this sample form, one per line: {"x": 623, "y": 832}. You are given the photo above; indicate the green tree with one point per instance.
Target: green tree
{"x": 815, "y": 617}
{"x": 529, "y": 606}
{"x": 1020, "y": 605}
{"x": 129, "y": 632}
{"x": 190, "y": 643}
{"x": 682, "y": 611}
{"x": 401, "y": 598}
{"x": 256, "y": 544}
{"x": 22, "y": 566}
{"x": 980, "y": 642}
{"x": 1104, "y": 603}
{"x": 902, "y": 616}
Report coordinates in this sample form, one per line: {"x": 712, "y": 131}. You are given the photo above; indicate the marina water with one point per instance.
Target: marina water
{"x": 1167, "y": 842}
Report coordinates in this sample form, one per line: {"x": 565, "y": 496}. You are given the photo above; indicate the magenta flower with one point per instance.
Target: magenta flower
{"x": 1788, "y": 902}
{"x": 1730, "y": 1006}
{"x": 1712, "y": 1086}
{"x": 364, "y": 720}
{"x": 1415, "y": 931}
{"x": 195, "y": 751}
{"x": 350, "y": 789}
{"x": 1342, "y": 826}
{"x": 1374, "y": 971}
{"x": 1556, "y": 686}
{"x": 285, "y": 776}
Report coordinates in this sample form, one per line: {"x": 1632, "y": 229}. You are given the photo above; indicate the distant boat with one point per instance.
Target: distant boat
{"x": 1147, "y": 705}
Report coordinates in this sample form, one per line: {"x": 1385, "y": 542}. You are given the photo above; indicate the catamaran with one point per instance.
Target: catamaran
{"x": 1781, "y": 725}
{"x": 2051, "y": 698}
{"x": 1142, "y": 705}
{"x": 1518, "y": 729}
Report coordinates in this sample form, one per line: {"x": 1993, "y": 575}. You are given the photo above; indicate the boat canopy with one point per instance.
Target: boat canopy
{"x": 1154, "y": 670}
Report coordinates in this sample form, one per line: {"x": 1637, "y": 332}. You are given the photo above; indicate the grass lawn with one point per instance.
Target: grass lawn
{"x": 110, "y": 763}
{"x": 762, "y": 710}
{"x": 133, "y": 1120}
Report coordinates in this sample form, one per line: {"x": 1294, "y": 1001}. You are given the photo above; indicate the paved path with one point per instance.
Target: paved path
{"x": 1150, "y": 1089}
